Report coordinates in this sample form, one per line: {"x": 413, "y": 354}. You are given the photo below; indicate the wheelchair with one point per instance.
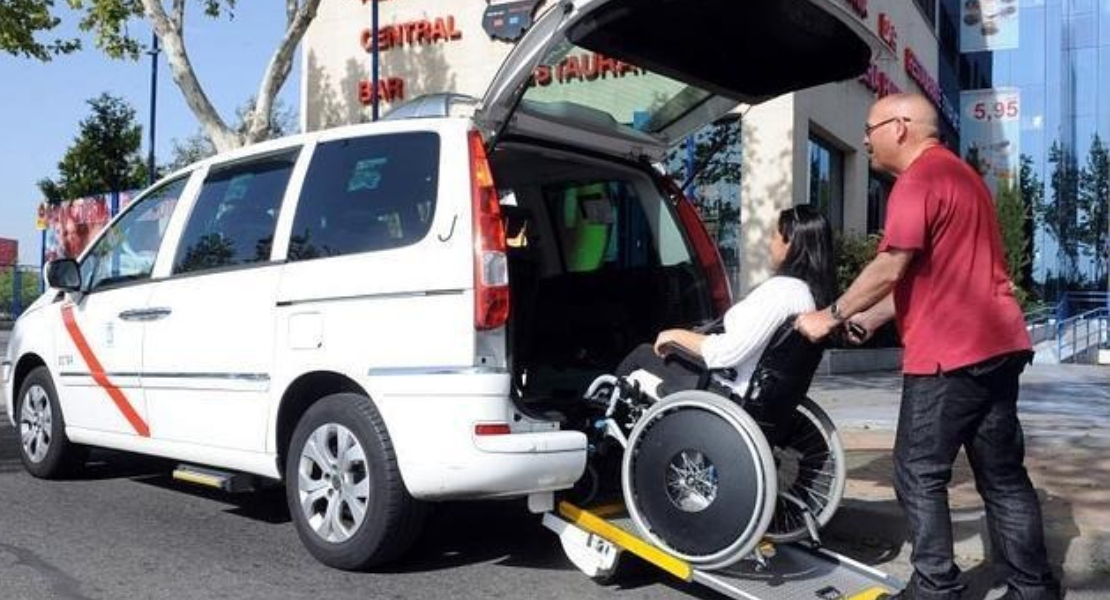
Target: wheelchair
{"x": 707, "y": 475}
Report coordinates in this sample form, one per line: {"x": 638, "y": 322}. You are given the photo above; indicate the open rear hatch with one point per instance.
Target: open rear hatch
{"x": 632, "y": 77}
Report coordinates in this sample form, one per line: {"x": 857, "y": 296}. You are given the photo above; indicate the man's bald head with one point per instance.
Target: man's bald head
{"x": 900, "y": 127}
{"x": 917, "y": 109}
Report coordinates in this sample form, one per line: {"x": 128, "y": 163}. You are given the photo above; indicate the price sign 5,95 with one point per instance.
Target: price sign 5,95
{"x": 999, "y": 108}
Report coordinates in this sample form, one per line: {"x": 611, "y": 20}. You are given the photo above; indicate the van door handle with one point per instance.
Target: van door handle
{"x": 145, "y": 314}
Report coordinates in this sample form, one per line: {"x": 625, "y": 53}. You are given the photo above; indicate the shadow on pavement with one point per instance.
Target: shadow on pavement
{"x": 463, "y": 533}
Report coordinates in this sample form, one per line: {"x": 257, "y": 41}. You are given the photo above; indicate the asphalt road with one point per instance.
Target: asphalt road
{"x": 125, "y": 529}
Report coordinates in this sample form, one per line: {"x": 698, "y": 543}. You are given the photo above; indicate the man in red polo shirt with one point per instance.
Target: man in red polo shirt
{"x": 941, "y": 272}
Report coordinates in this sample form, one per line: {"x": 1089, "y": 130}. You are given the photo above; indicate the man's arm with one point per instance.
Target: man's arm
{"x": 873, "y": 284}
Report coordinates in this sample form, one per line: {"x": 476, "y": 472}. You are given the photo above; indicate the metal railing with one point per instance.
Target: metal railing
{"x": 1040, "y": 322}
{"x": 1080, "y": 337}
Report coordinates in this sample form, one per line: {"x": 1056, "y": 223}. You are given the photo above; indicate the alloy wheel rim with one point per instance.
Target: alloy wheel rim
{"x": 333, "y": 485}
{"x": 35, "y": 424}
{"x": 691, "y": 481}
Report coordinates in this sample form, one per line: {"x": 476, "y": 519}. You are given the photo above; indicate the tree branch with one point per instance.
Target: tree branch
{"x": 179, "y": 16}
{"x": 185, "y": 77}
{"x": 277, "y": 71}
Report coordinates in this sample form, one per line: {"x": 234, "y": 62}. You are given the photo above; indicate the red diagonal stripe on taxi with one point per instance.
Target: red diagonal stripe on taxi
{"x": 97, "y": 371}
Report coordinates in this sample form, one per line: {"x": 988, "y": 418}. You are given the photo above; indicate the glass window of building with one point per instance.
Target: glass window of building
{"x": 929, "y": 9}
{"x": 878, "y": 190}
{"x": 826, "y": 180}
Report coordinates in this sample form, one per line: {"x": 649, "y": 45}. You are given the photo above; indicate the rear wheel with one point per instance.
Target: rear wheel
{"x": 811, "y": 474}
{"x": 43, "y": 445}
{"x": 699, "y": 479}
{"x": 344, "y": 487}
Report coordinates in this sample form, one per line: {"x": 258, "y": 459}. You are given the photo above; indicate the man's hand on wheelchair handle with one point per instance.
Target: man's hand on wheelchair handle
{"x": 857, "y": 331}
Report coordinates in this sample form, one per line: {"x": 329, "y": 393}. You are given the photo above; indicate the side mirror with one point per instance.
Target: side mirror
{"x": 64, "y": 274}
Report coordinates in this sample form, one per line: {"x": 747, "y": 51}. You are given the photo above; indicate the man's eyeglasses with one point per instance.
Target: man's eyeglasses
{"x": 867, "y": 129}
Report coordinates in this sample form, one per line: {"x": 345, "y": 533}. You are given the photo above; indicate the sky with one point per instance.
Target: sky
{"x": 42, "y": 104}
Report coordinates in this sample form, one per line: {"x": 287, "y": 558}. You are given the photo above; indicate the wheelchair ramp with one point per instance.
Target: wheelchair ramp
{"x": 789, "y": 572}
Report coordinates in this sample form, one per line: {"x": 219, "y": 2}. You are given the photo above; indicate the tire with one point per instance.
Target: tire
{"x": 811, "y": 468}
{"x": 699, "y": 479}
{"x": 351, "y": 516}
{"x": 43, "y": 446}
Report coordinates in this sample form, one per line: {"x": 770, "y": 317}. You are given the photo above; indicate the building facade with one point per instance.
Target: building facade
{"x": 1049, "y": 62}
{"x": 805, "y": 147}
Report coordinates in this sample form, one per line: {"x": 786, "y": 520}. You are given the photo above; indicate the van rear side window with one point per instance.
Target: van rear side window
{"x": 607, "y": 225}
{"x": 366, "y": 194}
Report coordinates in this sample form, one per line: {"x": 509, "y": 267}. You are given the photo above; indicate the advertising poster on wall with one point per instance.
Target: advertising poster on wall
{"x": 9, "y": 252}
{"x": 988, "y": 25}
{"x": 990, "y": 133}
{"x": 72, "y": 224}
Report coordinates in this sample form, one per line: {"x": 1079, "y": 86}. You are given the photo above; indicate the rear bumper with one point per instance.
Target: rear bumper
{"x": 431, "y": 420}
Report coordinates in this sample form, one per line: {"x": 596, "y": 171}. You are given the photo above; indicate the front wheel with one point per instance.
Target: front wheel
{"x": 699, "y": 479}
{"x": 344, "y": 487}
{"x": 46, "y": 451}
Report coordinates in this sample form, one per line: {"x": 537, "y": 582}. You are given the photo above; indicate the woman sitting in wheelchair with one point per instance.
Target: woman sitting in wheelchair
{"x": 803, "y": 280}
{"x": 705, "y": 475}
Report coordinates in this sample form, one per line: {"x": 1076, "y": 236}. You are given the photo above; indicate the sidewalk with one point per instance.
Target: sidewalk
{"x": 1065, "y": 411}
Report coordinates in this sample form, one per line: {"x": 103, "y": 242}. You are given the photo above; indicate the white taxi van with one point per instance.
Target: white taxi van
{"x": 389, "y": 314}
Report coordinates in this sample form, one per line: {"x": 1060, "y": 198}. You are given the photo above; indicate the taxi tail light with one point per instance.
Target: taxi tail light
{"x": 492, "y": 429}
{"x": 491, "y": 265}
{"x": 705, "y": 249}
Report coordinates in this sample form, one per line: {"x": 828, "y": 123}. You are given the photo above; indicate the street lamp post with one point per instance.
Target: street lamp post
{"x": 154, "y": 50}
{"x": 374, "y": 84}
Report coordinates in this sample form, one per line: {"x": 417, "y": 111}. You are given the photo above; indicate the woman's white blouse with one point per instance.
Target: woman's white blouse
{"x": 750, "y": 323}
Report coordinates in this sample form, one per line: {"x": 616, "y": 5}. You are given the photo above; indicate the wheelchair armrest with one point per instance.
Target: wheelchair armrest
{"x": 674, "y": 352}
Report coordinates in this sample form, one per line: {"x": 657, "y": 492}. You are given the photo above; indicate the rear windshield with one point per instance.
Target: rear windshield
{"x": 632, "y": 96}
{"x": 366, "y": 194}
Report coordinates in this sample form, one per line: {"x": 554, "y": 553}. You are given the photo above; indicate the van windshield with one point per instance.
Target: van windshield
{"x": 631, "y": 96}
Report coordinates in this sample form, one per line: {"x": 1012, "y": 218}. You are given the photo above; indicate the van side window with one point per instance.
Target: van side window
{"x": 367, "y": 194}
{"x": 235, "y": 215}
{"x": 127, "y": 250}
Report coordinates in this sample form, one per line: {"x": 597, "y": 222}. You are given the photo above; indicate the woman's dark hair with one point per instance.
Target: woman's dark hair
{"x": 810, "y": 256}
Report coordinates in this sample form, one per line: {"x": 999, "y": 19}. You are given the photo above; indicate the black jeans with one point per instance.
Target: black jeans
{"x": 976, "y": 408}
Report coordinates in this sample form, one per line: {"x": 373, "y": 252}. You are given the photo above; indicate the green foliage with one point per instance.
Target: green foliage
{"x": 104, "y": 157}
{"x": 1093, "y": 197}
{"x": 853, "y": 252}
{"x": 29, "y": 284}
{"x": 22, "y": 20}
{"x": 1012, "y": 216}
{"x": 1060, "y": 214}
{"x": 109, "y": 22}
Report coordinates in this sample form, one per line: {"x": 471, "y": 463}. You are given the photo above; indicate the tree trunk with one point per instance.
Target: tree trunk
{"x": 277, "y": 71}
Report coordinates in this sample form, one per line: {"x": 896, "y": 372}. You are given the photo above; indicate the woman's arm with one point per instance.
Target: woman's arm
{"x": 683, "y": 337}
{"x": 752, "y": 321}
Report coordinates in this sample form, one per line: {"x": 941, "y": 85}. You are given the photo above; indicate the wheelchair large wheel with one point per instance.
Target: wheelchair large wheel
{"x": 811, "y": 474}
{"x": 699, "y": 479}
